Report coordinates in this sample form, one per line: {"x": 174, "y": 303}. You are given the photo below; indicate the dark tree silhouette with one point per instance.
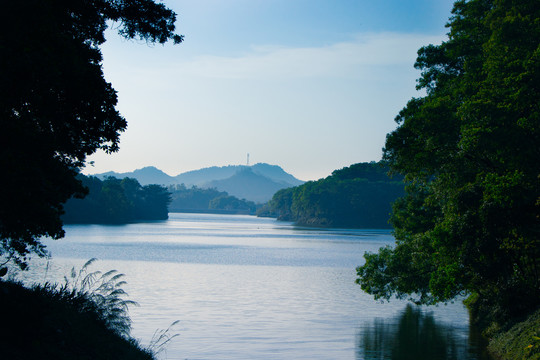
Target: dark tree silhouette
{"x": 115, "y": 201}
{"x": 56, "y": 108}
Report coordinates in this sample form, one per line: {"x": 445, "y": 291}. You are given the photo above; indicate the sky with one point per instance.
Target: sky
{"x": 309, "y": 85}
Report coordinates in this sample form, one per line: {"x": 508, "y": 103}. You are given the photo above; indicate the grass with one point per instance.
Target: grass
{"x": 521, "y": 341}
{"x": 84, "y": 318}
{"x": 509, "y": 338}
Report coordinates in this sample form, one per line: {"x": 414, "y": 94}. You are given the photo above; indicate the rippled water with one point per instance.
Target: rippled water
{"x": 254, "y": 288}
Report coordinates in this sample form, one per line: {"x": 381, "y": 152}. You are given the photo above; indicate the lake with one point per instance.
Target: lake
{"x": 244, "y": 287}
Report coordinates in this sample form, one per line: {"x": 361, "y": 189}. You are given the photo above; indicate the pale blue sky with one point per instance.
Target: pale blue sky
{"x": 312, "y": 86}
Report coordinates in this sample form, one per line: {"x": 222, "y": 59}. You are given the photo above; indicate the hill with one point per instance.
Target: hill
{"x": 115, "y": 201}
{"x": 276, "y": 173}
{"x": 359, "y": 196}
{"x": 203, "y": 177}
{"x": 197, "y": 199}
{"x": 247, "y": 184}
{"x": 255, "y": 183}
{"x": 145, "y": 176}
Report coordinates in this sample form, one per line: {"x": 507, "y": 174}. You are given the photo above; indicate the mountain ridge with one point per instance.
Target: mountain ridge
{"x": 247, "y": 184}
{"x": 256, "y": 183}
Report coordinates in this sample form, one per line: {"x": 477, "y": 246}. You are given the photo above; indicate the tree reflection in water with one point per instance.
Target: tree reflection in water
{"x": 413, "y": 335}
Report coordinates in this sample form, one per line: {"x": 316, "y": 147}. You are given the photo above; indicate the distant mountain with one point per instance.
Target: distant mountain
{"x": 275, "y": 173}
{"x": 203, "y": 176}
{"x": 255, "y": 183}
{"x": 145, "y": 176}
{"x": 247, "y": 184}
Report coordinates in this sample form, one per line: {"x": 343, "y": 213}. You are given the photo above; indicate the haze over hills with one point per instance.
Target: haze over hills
{"x": 257, "y": 183}
{"x": 247, "y": 184}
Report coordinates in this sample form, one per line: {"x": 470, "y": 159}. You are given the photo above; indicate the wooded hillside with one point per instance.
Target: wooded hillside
{"x": 359, "y": 196}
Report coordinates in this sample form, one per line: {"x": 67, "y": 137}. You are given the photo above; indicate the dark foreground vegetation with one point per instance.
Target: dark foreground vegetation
{"x": 515, "y": 338}
{"x": 521, "y": 341}
{"x": 85, "y": 318}
{"x": 469, "y": 151}
{"x": 56, "y": 108}
{"x": 115, "y": 201}
{"x": 359, "y": 196}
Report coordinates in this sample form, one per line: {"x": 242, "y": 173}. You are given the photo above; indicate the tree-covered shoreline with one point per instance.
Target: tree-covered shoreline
{"x": 202, "y": 200}
{"x": 115, "y": 201}
{"x": 470, "y": 221}
{"x": 359, "y": 196}
{"x": 122, "y": 201}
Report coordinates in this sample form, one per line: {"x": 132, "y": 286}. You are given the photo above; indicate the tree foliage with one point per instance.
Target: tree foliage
{"x": 115, "y": 201}
{"x": 359, "y": 196}
{"x": 56, "y": 108}
{"x": 207, "y": 200}
{"x": 469, "y": 150}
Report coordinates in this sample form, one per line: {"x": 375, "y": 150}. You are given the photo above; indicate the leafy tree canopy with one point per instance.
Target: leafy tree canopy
{"x": 197, "y": 199}
{"x": 358, "y": 196}
{"x": 469, "y": 150}
{"x": 117, "y": 201}
{"x": 56, "y": 108}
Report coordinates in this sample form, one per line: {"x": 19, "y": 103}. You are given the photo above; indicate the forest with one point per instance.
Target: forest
{"x": 359, "y": 196}
{"x": 56, "y": 109}
{"x": 469, "y": 224}
{"x": 115, "y": 201}
{"x": 196, "y": 199}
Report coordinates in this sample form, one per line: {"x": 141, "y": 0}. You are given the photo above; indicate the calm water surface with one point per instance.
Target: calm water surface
{"x": 254, "y": 288}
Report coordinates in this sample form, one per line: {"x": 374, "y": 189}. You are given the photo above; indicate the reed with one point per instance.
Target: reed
{"x": 101, "y": 293}
{"x": 85, "y": 317}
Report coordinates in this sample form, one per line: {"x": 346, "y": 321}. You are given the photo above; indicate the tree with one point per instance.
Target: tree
{"x": 359, "y": 196}
{"x": 115, "y": 201}
{"x": 469, "y": 150}
{"x": 232, "y": 203}
{"x": 155, "y": 199}
{"x": 56, "y": 108}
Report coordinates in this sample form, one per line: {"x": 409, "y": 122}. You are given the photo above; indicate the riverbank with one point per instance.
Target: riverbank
{"x": 45, "y": 322}
{"x": 521, "y": 341}
{"x": 508, "y": 338}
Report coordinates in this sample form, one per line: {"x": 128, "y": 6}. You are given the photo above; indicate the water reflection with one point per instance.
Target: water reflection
{"x": 214, "y": 272}
{"x": 413, "y": 335}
